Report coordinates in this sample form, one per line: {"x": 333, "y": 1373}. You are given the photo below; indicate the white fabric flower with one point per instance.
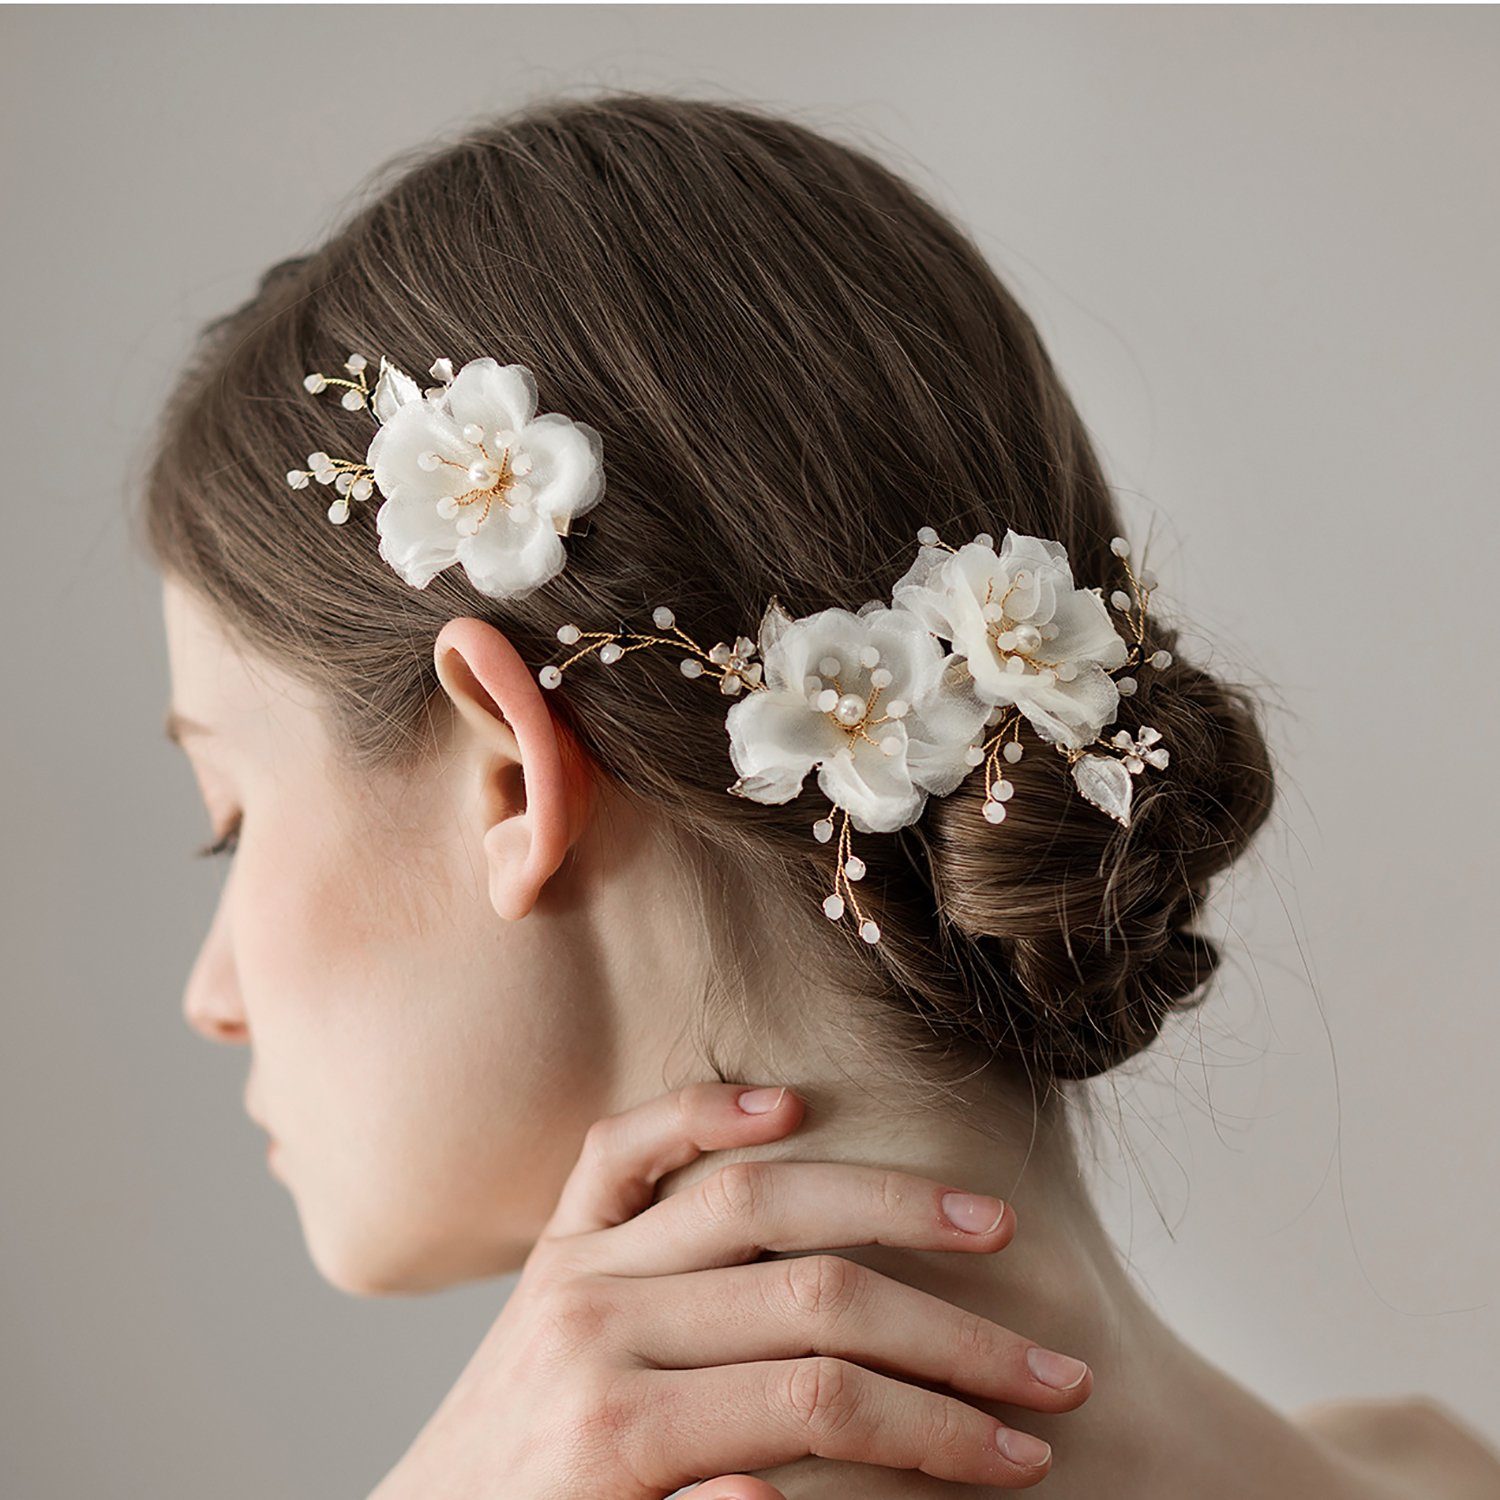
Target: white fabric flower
{"x": 1030, "y": 638}
{"x": 863, "y": 696}
{"x": 471, "y": 474}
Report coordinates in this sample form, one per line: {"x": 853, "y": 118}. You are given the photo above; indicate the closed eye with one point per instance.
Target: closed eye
{"x": 226, "y": 843}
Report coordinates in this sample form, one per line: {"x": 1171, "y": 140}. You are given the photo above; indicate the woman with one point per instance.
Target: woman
{"x": 789, "y": 366}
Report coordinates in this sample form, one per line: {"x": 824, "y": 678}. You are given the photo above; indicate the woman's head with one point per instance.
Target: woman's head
{"x": 794, "y": 362}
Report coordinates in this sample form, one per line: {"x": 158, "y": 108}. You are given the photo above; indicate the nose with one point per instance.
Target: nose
{"x": 211, "y": 1000}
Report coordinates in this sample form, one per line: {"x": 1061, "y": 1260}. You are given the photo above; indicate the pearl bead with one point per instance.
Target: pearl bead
{"x": 823, "y": 830}
{"x": 1012, "y": 751}
{"x": 833, "y": 907}
{"x": 663, "y": 618}
{"x": 1028, "y": 637}
{"x": 611, "y": 651}
{"x": 850, "y": 709}
{"x": 550, "y": 676}
{"x": 854, "y": 867}
{"x": 691, "y": 667}
{"x": 994, "y": 812}
{"x": 473, "y": 433}
{"x": 568, "y": 634}
{"x": 869, "y": 931}
{"x": 927, "y": 536}
{"x": 483, "y": 474}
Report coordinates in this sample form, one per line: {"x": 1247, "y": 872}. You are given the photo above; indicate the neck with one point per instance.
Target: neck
{"x": 1161, "y": 1422}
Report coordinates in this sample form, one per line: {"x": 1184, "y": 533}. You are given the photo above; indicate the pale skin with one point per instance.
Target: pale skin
{"x": 468, "y": 994}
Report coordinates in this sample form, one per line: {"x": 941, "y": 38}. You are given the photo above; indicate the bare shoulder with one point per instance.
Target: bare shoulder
{"x": 1413, "y": 1440}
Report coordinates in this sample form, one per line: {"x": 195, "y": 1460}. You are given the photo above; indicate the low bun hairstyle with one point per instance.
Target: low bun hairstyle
{"x": 794, "y": 361}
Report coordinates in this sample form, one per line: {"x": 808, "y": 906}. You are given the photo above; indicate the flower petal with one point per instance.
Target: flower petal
{"x": 414, "y": 539}
{"x": 941, "y": 727}
{"x": 413, "y": 429}
{"x": 567, "y": 457}
{"x": 875, "y": 789}
{"x": 507, "y": 558}
{"x": 492, "y": 395}
{"x": 1085, "y": 631}
{"x": 775, "y": 739}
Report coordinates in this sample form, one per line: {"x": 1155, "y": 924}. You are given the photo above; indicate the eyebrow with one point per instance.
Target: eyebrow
{"x": 178, "y": 727}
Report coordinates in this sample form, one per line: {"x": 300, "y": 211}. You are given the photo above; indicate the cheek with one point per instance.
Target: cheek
{"x": 425, "y": 1064}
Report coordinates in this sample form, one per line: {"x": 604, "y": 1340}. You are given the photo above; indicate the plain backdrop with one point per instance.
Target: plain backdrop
{"x": 1260, "y": 243}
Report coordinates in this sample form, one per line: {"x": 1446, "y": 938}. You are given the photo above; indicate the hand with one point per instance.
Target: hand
{"x": 644, "y": 1347}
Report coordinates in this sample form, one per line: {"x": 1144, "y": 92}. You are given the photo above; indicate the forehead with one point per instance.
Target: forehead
{"x": 242, "y": 696}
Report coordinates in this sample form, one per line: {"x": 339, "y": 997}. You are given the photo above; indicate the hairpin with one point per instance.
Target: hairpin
{"x": 470, "y": 473}
{"x": 889, "y": 716}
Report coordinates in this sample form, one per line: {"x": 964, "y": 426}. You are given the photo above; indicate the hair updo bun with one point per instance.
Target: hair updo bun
{"x": 1088, "y": 925}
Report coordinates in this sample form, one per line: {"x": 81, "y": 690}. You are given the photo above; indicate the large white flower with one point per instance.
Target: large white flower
{"x": 1030, "y": 638}
{"x": 866, "y": 698}
{"x": 471, "y": 474}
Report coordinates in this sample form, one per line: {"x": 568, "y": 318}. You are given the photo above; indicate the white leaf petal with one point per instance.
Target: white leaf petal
{"x": 1106, "y": 783}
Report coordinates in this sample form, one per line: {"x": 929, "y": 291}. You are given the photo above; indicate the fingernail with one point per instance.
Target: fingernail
{"x": 760, "y": 1101}
{"x": 973, "y": 1211}
{"x": 1061, "y": 1371}
{"x": 1021, "y": 1448}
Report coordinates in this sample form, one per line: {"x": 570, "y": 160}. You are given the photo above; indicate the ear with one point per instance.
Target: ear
{"x": 535, "y": 789}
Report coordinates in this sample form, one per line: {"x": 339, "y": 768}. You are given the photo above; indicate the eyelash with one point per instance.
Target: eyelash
{"x": 226, "y": 844}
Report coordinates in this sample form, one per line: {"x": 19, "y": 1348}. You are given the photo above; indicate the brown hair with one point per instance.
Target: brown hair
{"x": 794, "y": 361}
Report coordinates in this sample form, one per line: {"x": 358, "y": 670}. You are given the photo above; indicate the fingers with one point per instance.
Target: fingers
{"x": 826, "y": 1304}
{"x": 735, "y": 1487}
{"x": 624, "y": 1156}
{"x": 749, "y": 1206}
{"x": 755, "y": 1416}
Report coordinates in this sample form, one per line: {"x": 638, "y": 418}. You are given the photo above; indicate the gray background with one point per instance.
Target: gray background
{"x": 1260, "y": 243}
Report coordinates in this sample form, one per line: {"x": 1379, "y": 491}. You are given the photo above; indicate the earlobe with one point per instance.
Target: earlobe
{"x": 498, "y": 695}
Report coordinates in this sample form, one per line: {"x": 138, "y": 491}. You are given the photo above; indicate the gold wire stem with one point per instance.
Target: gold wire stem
{"x": 839, "y": 873}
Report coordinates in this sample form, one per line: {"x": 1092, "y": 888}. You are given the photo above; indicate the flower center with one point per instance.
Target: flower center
{"x": 493, "y": 480}
{"x": 1017, "y": 644}
{"x": 851, "y": 710}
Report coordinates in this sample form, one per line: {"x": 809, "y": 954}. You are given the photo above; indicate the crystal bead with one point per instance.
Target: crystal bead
{"x": 897, "y": 708}
{"x": 1120, "y": 599}
{"x": 1119, "y": 546}
{"x": 973, "y": 755}
{"x": 521, "y": 464}
{"x": 441, "y": 369}
{"x": 428, "y": 460}
{"x": 352, "y": 400}
{"x": 854, "y": 867}
{"x": 1015, "y": 665}
{"x": 881, "y": 677}
{"x": 869, "y": 656}
{"x": 891, "y": 745}
{"x": 833, "y": 907}
{"x": 1160, "y": 659}
{"x": 827, "y": 701}
{"x": 363, "y": 488}
{"x": 355, "y": 363}
{"x": 299, "y": 479}
{"x": 467, "y": 524}
{"x": 568, "y": 634}
{"x": 1126, "y": 685}
{"x": 344, "y": 483}
{"x": 611, "y": 651}
{"x": 519, "y": 514}
{"x": 550, "y": 676}
{"x": 519, "y": 494}
{"x": 315, "y": 382}
{"x": 448, "y": 507}
{"x": 338, "y": 512}
{"x": 691, "y": 667}
{"x": 1012, "y": 751}
{"x": 473, "y": 433}
{"x": 1147, "y": 578}
{"x": 869, "y": 931}
{"x": 823, "y": 830}
{"x": 1004, "y": 790}
{"x": 830, "y": 666}
{"x": 984, "y": 539}
{"x": 319, "y": 460}
{"x": 994, "y": 812}
{"x": 663, "y": 618}
{"x": 928, "y": 536}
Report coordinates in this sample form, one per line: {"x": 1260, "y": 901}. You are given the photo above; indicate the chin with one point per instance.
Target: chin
{"x": 387, "y": 1260}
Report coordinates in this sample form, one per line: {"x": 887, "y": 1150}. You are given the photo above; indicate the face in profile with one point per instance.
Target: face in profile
{"x": 425, "y": 1067}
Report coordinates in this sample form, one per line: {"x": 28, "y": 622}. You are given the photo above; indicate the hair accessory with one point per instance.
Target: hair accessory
{"x": 889, "y": 716}
{"x": 470, "y": 473}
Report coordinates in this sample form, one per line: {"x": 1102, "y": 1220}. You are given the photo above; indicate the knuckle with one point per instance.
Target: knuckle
{"x": 822, "y": 1288}
{"x": 823, "y": 1396}
{"x": 577, "y": 1311}
{"x": 597, "y": 1140}
{"x": 973, "y": 1341}
{"x": 892, "y": 1188}
{"x": 735, "y": 1192}
{"x": 949, "y": 1432}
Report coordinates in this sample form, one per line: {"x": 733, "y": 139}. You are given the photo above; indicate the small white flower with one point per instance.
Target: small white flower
{"x": 471, "y": 474}
{"x": 885, "y": 727}
{"x": 1030, "y": 638}
{"x": 739, "y": 670}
